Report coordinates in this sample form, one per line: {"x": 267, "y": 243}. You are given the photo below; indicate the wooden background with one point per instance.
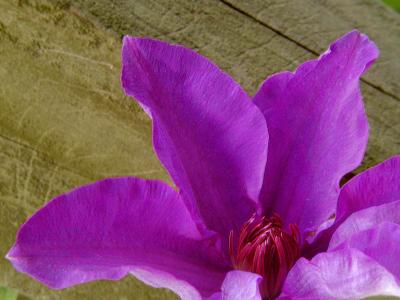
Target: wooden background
{"x": 64, "y": 120}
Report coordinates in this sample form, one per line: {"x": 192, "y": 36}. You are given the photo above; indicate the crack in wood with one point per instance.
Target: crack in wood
{"x": 281, "y": 34}
{"x": 42, "y": 156}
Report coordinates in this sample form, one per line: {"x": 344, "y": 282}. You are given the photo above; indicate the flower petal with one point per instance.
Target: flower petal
{"x": 112, "y": 227}
{"x": 318, "y": 131}
{"x": 364, "y": 220}
{"x": 208, "y": 134}
{"x": 373, "y": 187}
{"x": 160, "y": 279}
{"x": 382, "y": 243}
{"x": 343, "y": 274}
{"x": 377, "y": 185}
{"x": 239, "y": 285}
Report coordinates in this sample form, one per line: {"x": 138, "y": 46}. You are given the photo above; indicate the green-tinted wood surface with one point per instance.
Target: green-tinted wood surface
{"x": 64, "y": 120}
{"x": 8, "y": 294}
{"x": 394, "y": 4}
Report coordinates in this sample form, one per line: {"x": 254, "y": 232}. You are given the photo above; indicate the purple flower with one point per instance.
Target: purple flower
{"x": 240, "y": 226}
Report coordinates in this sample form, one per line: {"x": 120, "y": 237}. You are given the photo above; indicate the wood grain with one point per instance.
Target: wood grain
{"x": 250, "y": 51}
{"x": 316, "y": 23}
{"x": 64, "y": 120}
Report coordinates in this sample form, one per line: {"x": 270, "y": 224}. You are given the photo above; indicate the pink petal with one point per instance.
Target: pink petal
{"x": 378, "y": 185}
{"x": 239, "y": 285}
{"x": 113, "y": 227}
{"x": 343, "y": 274}
{"x": 366, "y": 219}
{"x": 362, "y": 200}
{"x": 381, "y": 242}
{"x": 318, "y": 131}
{"x": 208, "y": 134}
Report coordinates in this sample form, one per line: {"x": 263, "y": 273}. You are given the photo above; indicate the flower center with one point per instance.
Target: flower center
{"x": 265, "y": 248}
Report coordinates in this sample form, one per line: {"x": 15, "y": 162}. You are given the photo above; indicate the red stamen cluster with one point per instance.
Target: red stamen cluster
{"x": 265, "y": 248}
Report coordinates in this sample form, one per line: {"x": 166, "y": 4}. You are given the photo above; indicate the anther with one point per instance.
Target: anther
{"x": 265, "y": 248}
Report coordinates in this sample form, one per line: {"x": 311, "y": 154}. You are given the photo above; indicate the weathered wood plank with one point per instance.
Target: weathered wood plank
{"x": 313, "y": 24}
{"x": 246, "y": 49}
{"x": 64, "y": 120}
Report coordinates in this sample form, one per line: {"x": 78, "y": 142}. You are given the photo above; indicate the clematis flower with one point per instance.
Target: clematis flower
{"x": 239, "y": 225}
